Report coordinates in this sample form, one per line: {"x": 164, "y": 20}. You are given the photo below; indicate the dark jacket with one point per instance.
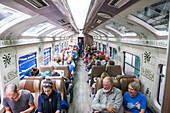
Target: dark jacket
{"x": 45, "y": 106}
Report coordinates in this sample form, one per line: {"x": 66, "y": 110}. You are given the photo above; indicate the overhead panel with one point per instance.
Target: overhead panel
{"x": 37, "y": 3}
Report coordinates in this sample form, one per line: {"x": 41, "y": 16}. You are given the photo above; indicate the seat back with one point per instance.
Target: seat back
{"x": 58, "y": 84}
{"x": 119, "y": 77}
{"x": 65, "y": 68}
{"x": 101, "y": 57}
{"x": 97, "y": 71}
{"x": 33, "y": 86}
{"x": 124, "y": 82}
{"x": 114, "y": 70}
{"x": 45, "y": 68}
{"x": 34, "y": 78}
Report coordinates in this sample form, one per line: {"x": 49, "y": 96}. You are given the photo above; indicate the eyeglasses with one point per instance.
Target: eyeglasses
{"x": 131, "y": 89}
{"x": 47, "y": 85}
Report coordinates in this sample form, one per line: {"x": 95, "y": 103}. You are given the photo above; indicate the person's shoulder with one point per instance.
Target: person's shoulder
{"x": 117, "y": 90}
{"x": 126, "y": 94}
{"x": 56, "y": 92}
{"x": 100, "y": 91}
{"x": 141, "y": 95}
{"x": 25, "y": 91}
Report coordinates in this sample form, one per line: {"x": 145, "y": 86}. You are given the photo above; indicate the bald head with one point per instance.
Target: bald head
{"x": 10, "y": 87}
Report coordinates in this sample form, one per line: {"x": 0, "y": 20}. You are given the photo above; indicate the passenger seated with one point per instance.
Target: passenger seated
{"x": 53, "y": 63}
{"x": 111, "y": 62}
{"x": 71, "y": 67}
{"x": 17, "y": 101}
{"x": 108, "y": 99}
{"x": 134, "y": 101}
{"x": 91, "y": 63}
{"x": 49, "y": 101}
{"x": 35, "y": 72}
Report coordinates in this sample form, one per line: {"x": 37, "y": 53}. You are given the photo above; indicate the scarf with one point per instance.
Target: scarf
{"x": 49, "y": 106}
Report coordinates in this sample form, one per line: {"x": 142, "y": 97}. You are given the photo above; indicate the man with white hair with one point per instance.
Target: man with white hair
{"x": 108, "y": 99}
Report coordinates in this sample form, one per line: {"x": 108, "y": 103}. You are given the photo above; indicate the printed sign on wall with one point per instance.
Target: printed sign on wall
{"x": 8, "y": 65}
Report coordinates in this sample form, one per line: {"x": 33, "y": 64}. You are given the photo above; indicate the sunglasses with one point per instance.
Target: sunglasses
{"x": 47, "y": 85}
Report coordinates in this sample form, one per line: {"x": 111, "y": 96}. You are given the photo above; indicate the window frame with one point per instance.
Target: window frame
{"x": 131, "y": 63}
{"x": 20, "y": 64}
{"x": 104, "y": 49}
{"x": 46, "y": 56}
{"x": 159, "y": 85}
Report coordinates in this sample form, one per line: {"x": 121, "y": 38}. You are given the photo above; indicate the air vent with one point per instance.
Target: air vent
{"x": 61, "y": 21}
{"x": 98, "y": 21}
{"x": 37, "y": 3}
{"x": 118, "y": 3}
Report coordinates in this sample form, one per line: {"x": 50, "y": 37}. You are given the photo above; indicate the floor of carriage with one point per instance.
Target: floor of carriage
{"x": 81, "y": 91}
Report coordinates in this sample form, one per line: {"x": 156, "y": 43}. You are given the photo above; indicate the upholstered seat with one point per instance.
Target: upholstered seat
{"x": 97, "y": 71}
{"x": 65, "y": 68}
{"x": 33, "y": 86}
{"x": 114, "y": 70}
{"x": 101, "y": 57}
{"x": 45, "y": 68}
{"x": 124, "y": 82}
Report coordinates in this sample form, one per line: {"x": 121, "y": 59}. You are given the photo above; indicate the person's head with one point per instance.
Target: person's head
{"x": 11, "y": 91}
{"x": 47, "y": 86}
{"x": 107, "y": 57}
{"x": 58, "y": 60}
{"x": 79, "y": 40}
{"x": 55, "y": 59}
{"x": 34, "y": 71}
{"x": 103, "y": 75}
{"x": 107, "y": 84}
{"x": 94, "y": 56}
{"x": 111, "y": 62}
{"x": 98, "y": 62}
{"x": 133, "y": 88}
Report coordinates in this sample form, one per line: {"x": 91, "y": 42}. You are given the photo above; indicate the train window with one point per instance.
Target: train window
{"x": 10, "y": 16}
{"x": 114, "y": 56}
{"x": 99, "y": 46}
{"x": 161, "y": 83}
{"x": 104, "y": 48}
{"x": 47, "y": 56}
{"x": 56, "y": 49}
{"x": 96, "y": 44}
{"x": 61, "y": 47}
{"x": 51, "y": 34}
{"x": 122, "y": 29}
{"x": 26, "y": 63}
{"x": 38, "y": 29}
{"x": 155, "y": 15}
{"x": 111, "y": 52}
{"x": 131, "y": 64}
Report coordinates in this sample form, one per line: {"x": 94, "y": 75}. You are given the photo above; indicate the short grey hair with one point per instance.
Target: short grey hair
{"x": 135, "y": 85}
{"x": 109, "y": 79}
{"x": 11, "y": 87}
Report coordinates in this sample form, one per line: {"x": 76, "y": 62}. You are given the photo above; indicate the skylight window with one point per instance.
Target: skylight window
{"x": 9, "y": 17}
{"x": 155, "y": 15}
{"x": 61, "y": 33}
{"x": 122, "y": 29}
{"x": 38, "y": 29}
{"x": 55, "y": 32}
{"x": 100, "y": 34}
{"x": 105, "y": 32}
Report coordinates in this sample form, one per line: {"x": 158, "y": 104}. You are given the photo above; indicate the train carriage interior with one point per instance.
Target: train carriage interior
{"x": 133, "y": 34}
